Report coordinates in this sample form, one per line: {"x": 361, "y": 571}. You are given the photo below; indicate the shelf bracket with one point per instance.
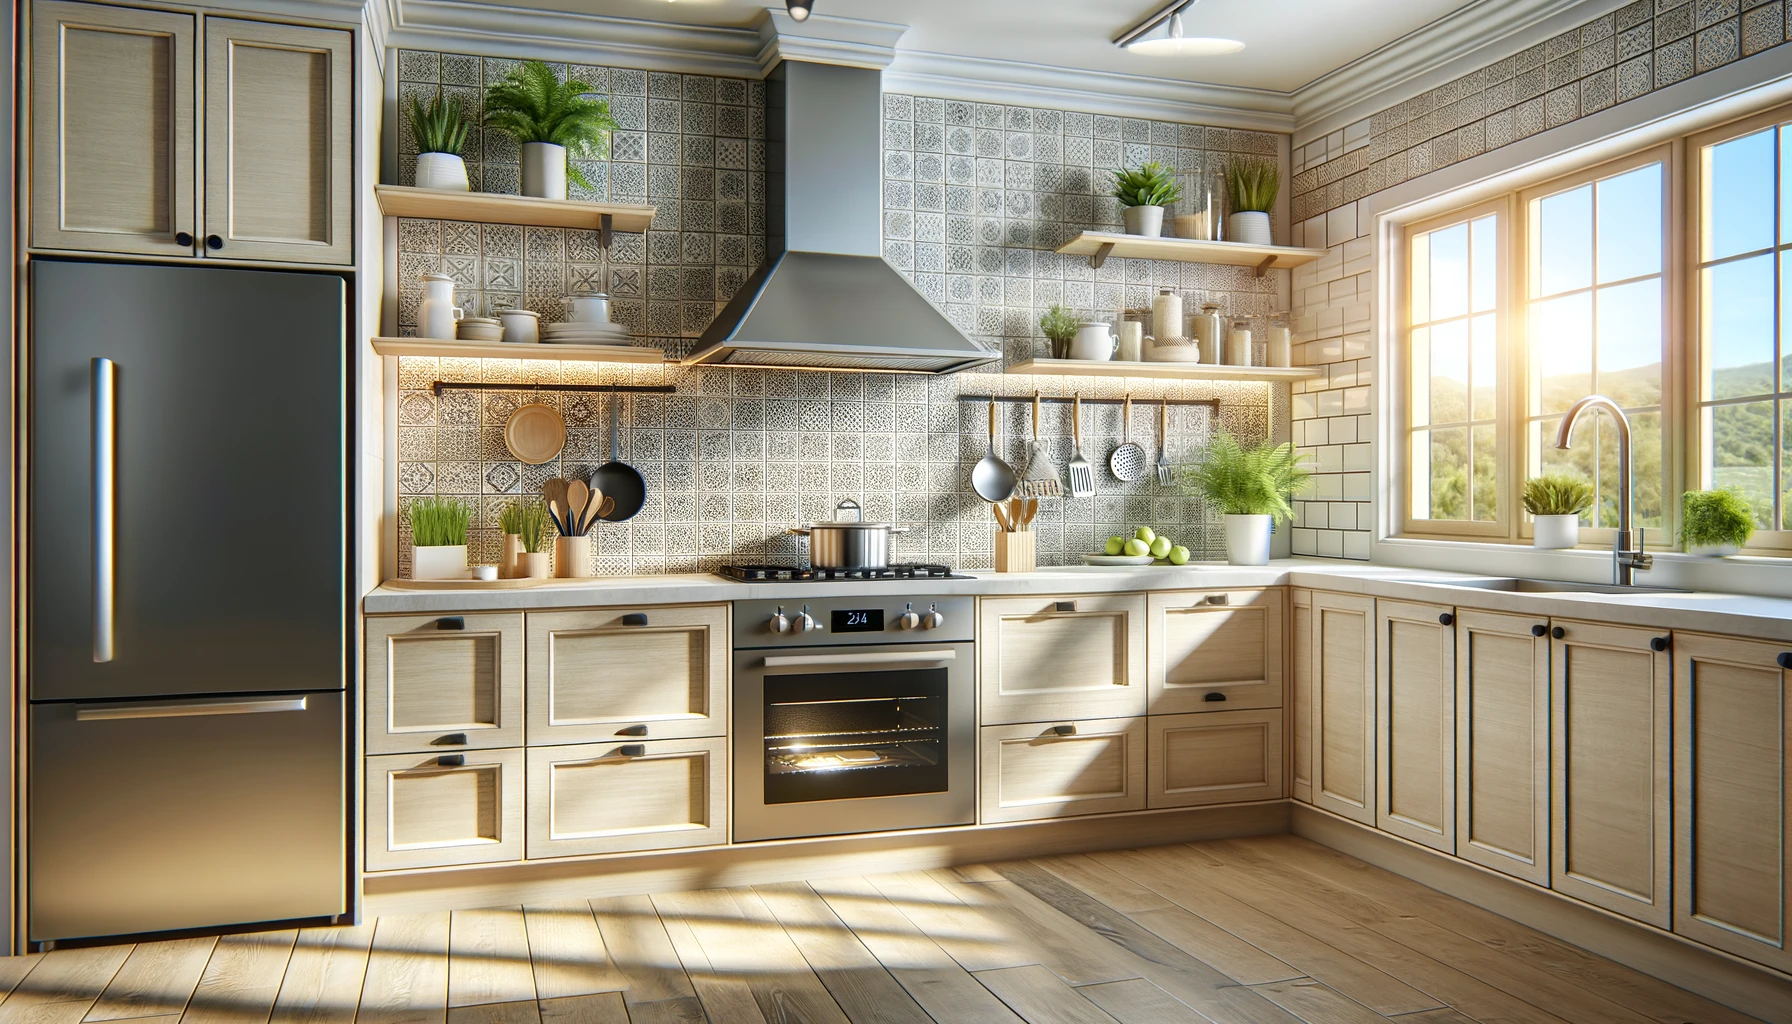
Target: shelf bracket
{"x": 604, "y": 222}
{"x": 1100, "y": 256}
{"x": 1268, "y": 261}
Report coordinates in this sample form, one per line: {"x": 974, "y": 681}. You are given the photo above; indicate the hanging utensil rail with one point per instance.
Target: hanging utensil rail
{"x": 437, "y": 387}
{"x": 1211, "y": 403}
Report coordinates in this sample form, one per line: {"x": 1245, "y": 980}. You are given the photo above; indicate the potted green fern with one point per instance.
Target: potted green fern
{"x": 1555, "y": 502}
{"x": 440, "y": 130}
{"x": 1715, "y": 523}
{"x": 439, "y": 538}
{"x": 551, "y": 120}
{"x": 1254, "y": 184}
{"x": 1250, "y": 488}
{"x": 1143, "y": 192}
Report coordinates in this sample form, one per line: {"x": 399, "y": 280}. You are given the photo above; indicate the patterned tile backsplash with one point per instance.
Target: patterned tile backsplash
{"x": 976, "y": 196}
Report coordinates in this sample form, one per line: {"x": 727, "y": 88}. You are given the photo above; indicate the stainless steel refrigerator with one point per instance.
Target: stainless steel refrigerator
{"x": 188, "y": 601}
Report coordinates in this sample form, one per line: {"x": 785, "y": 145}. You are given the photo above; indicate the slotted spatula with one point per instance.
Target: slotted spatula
{"x": 1041, "y": 480}
{"x": 1078, "y": 471}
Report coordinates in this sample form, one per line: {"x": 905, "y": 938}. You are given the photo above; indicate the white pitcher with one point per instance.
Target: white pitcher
{"x": 437, "y": 316}
{"x": 589, "y": 308}
{"x": 1093, "y": 342}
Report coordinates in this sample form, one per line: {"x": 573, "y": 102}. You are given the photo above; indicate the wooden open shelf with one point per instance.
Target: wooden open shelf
{"x": 492, "y": 208}
{"x": 1162, "y": 371}
{"x": 1099, "y": 245}
{"x": 499, "y": 350}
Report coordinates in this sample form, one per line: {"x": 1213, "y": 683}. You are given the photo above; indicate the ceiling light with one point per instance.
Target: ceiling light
{"x": 799, "y": 9}
{"x": 1169, "y": 41}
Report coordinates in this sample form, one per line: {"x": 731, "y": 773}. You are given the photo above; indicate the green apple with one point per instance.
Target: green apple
{"x": 1137, "y": 547}
{"x": 1179, "y": 555}
{"x": 1145, "y": 533}
{"x": 1161, "y": 547}
{"x": 1114, "y": 545}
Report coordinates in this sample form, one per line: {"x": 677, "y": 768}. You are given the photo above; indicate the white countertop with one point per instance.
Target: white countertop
{"x": 1735, "y": 614}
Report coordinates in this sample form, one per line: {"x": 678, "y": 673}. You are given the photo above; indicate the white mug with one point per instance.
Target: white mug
{"x": 1093, "y": 342}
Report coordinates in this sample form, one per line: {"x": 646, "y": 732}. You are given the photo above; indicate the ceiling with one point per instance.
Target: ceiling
{"x": 1288, "y": 43}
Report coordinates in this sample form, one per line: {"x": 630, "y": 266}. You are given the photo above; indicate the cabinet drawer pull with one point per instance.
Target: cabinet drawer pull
{"x": 1539, "y": 630}
{"x": 1785, "y": 659}
{"x": 1659, "y": 643}
{"x": 635, "y": 619}
{"x": 451, "y": 622}
{"x": 1446, "y": 619}
{"x": 1214, "y": 696}
{"x": 451, "y": 760}
{"x": 632, "y": 730}
{"x": 1559, "y": 633}
{"x": 1219, "y": 598}
{"x": 1064, "y": 730}
{"x": 1064, "y": 606}
{"x": 453, "y": 739}
{"x": 632, "y": 749}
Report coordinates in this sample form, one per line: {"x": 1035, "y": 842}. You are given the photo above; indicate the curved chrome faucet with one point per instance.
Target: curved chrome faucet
{"x": 1625, "y": 561}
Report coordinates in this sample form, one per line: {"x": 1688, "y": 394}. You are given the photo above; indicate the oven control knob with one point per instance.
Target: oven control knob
{"x": 910, "y": 619}
{"x": 805, "y": 623}
{"x": 933, "y": 619}
{"x": 780, "y": 622}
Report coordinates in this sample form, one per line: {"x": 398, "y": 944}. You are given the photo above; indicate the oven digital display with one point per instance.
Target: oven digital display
{"x": 850, "y": 620}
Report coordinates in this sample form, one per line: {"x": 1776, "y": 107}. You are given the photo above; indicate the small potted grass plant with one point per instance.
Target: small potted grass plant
{"x": 552, "y": 120}
{"x": 1715, "y": 523}
{"x": 1250, "y": 488}
{"x": 1059, "y": 327}
{"x": 440, "y": 129}
{"x": 1254, "y": 184}
{"x": 532, "y": 531}
{"x": 1555, "y": 502}
{"x": 439, "y": 538}
{"x": 1143, "y": 192}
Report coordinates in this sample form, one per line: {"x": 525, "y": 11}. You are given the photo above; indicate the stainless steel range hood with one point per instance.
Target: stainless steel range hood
{"x": 826, "y": 299}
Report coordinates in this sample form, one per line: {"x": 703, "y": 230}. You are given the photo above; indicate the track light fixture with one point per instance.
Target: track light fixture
{"x": 1162, "y": 34}
{"x": 799, "y": 9}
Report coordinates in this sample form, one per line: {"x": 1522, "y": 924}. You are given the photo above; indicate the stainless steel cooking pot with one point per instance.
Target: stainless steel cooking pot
{"x": 848, "y": 543}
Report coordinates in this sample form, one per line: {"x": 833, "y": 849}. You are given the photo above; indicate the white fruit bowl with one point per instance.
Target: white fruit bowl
{"x": 1118, "y": 559}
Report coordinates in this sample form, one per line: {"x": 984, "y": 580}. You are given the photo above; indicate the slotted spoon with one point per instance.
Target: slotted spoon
{"x": 1078, "y": 471}
{"x": 1128, "y": 460}
{"x": 1041, "y": 480}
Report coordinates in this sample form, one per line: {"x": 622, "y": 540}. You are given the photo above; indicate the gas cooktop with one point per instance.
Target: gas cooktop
{"x": 797, "y": 574}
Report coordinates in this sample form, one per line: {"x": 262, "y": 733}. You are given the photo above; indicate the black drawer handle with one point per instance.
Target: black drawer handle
{"x": 451, "y": 760}
{"x": 1559, "y": 633}
{"x": 1785, "y": 659}
{"x": 632, "y": 730}
{"x": 1064, "y": 730}
{"x": 1446, "y": 619}
{"x": 451, "y": 622}
{"x": 1220, "y": 599}
{"x": 635, "y": 619}
{"x": 1213, "y": 696}
{"x": 1539, "y": 630}
{"x": 214, "y": 242}
{"x": 182, "y": 238}
{"x": 632, "y": 749}
{"x": 1659, "y": 643}
{"x": 453, "y": 739}
{"x": 1064, "y": 606}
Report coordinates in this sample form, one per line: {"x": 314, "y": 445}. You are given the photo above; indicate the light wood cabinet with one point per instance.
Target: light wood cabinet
{"x": 1214, "y": 758}
{"x": 279, "y": 151}
{"x": 1415, "y": 722}
{"x": 1502, "y": 742}
{"x": 1041, "y": 659}
{"x": 1343, "y": 655}
{"x": 441, "y": 809}
{"x": 1063, "y": 769}
{"x": 612, "y": 798}
{"x": 1732, "y": 840}
{"x": 444, "y": 682}
{"x": 612, "y": 674}
{"x": 1611, "y": 762}
{"x": 1214, "y": 650}
{"x": 1300, "y": 696}
{"x": 113, "y": 147}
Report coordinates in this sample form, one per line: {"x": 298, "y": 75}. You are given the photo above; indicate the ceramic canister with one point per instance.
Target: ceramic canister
{"x": 521, "y": 326}
{"x": 1166, "y": 314}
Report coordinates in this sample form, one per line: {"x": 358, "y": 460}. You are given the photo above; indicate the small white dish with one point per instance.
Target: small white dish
{"x": 1118, "y": 559}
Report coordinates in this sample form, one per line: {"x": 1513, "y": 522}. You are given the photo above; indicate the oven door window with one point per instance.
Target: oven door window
{"x": 844, "y": 735}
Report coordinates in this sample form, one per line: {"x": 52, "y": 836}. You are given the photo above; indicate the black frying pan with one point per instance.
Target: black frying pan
{"x": 619, "y": 480}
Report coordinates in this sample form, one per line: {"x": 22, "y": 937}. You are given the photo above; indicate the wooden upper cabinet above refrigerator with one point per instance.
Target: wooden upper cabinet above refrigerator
{"x": 172, "y": 134}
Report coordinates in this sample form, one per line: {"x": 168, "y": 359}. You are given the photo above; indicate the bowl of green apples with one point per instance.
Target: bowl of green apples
{"x": 1145, "y": 547}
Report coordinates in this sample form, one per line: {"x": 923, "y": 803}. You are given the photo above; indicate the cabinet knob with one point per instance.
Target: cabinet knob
{"x": 1064, "y": 730}
{"x": 1785, "y": 659}
{"x": 1559, "y": 633}
{"x": 1446, "y": 619}
{"x": 632, "y": 750}
{"x": 1539, "y": 630}
{"x": 635, "y": 619}
{"x": 1214, "y": 696}
{"x": 451, "y": 622}
{"x": 451, "y": 760}
{"x": 1659, "y": 643}
{"x": 214, "y": 242}
{"x": 182, "y": 238}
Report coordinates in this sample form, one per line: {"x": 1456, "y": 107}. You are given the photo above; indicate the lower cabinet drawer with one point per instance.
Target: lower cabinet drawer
{"x": 1062, "y": 769}
{"x": 617, "y": 797}
{"x": 1215, "y": 757}
{"x": 428, "y": 810}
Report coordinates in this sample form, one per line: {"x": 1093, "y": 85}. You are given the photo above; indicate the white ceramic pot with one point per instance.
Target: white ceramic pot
{"x": 443, "y": 171}
{"x": 544, "y": 170}
{"x": 437, "y": 316}
{"x": 1555, "y": 531}
{"x": 589, "y": 308}
{"x": 1144, "y": 220}
{"x": 1714, "y": 550}
{"x": 1247, "y": 540}
{"x": 1250, "y": 227}
{"x": 1093, "y": 342}
{"x": 521, "y": 326}
{"x": 442, "y": 562}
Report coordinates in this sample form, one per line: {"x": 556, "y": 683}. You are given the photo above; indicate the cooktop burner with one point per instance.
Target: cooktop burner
{"x": 794, "y": 574}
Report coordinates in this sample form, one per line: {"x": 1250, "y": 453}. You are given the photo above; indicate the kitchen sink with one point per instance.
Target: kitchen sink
{"x": 1520, "y": 585}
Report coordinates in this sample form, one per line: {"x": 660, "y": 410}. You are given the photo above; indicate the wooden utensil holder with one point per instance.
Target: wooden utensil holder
{"x": 1016, "y": 552}
{"x": 572, "y": 557}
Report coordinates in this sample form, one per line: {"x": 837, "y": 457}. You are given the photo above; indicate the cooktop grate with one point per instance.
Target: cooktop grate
{"x": 797, "y": 574}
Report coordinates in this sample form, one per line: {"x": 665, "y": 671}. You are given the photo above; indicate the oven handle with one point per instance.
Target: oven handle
{"x": 882, "y": 658}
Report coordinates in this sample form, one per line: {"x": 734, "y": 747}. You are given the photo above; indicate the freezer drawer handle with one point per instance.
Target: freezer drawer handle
{"x": 105, "y": 506}
{"x": 632, "y": 750}
{"x": 1064, "y": 730}
{"x": 110, "y": 712}
{"x": 1064, "y": 606}
{"x": 453, "y": 739}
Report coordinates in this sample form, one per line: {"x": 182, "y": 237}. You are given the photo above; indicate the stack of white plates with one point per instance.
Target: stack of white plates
{"x": 584, "y": 334}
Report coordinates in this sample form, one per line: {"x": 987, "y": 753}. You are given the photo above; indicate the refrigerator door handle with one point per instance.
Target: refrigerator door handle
{"x": 113, "y": 712}
{"x": 105, "y": 503}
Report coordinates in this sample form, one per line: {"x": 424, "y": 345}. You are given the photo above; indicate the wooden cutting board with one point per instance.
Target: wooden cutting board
{"x": 535, "y": 434}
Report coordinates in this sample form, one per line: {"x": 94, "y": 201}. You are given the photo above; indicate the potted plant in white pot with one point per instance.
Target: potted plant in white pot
{"x": 1250, "y": 488}
{"x": 1143, "y": 192}
{"x": 1715, "y": 523}
{"x": 1254, "y": 184}
{"x": 1555, "y": 502}
{"x": 439, "y": 538}
{"x": 552, "y": 121}
{"x": 440, "y": 129}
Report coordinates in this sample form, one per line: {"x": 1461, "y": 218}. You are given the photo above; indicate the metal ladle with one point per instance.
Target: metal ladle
{"x": 991, "y": 478}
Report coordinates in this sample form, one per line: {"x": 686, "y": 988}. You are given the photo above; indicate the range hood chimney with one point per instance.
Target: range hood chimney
{"x": 825, "y": 298}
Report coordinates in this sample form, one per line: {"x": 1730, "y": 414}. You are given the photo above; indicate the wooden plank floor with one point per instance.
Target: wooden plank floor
{"x": 1271, "y": 930}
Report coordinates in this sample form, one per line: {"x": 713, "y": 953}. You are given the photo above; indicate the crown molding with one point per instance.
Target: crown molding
{"x": 824, "y": 39}
{"x": 454, "y": 25}
{"x": 377, "y": 16}
{"x": 1024, "y": 84}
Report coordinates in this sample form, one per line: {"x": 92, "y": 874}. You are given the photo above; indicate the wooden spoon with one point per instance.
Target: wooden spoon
{"x": 554, "y": 491}
{"x": 578, "y": 496}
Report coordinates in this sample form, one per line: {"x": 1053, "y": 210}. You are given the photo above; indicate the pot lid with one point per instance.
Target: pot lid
{"x": 850, "y": 515}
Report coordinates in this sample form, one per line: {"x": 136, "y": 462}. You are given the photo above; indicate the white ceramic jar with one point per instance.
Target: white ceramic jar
{"x": 521, "y": 326}
{"x": 589, "y": 308}
{"x": 1166, "y": 314}
{"x": 1205, "y": 328}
